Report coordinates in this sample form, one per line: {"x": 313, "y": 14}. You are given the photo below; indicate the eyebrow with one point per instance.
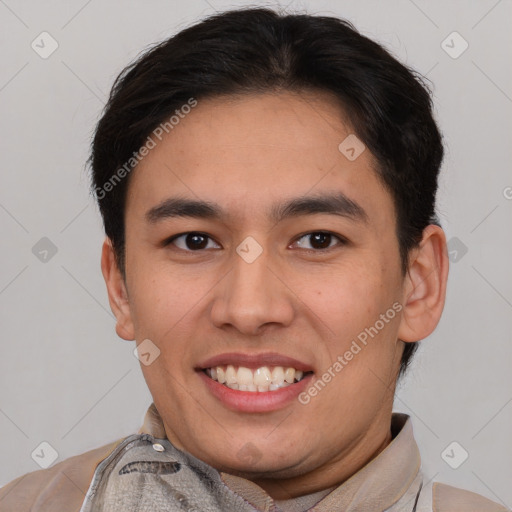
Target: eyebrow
{"x": 333, "y": 204}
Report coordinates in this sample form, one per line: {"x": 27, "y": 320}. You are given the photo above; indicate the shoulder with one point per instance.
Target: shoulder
{"x": 446, "y": 498}
{"x": 61, "y": 487}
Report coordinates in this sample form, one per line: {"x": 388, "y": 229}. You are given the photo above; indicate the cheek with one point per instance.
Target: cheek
{"x": 346, "y": 294}
{"x": 350, "y": 302}
{"x": 167, "y": 301}
{"x": 158, "y": 300}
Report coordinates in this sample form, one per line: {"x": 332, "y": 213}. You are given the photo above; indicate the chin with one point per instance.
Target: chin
{"x": 259, "y": 465}
{"x": 260, "y": 471}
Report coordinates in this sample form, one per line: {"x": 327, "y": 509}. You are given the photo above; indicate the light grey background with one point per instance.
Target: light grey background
{"x": 67, "y": 379}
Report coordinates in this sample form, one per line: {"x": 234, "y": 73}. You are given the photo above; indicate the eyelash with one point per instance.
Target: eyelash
{"x": 342, "y": 241}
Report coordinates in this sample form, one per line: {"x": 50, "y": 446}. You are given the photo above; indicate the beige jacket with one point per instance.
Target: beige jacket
{"x": 392, "y": 482}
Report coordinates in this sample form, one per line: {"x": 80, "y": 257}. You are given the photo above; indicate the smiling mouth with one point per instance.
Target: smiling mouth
{"x": 265, "y": 378}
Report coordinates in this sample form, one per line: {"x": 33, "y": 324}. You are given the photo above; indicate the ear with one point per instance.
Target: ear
{"x": 424, "y": 286}
{"x": 117, "y": 293}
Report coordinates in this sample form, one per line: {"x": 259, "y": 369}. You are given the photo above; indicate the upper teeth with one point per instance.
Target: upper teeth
{"x": 261, "y": 379}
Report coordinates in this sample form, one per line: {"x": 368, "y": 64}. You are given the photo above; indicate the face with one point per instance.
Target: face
{"x": 273, "y": 285}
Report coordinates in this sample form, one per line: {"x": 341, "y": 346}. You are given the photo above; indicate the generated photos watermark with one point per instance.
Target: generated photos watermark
{"x": 342, "y": 360}
{"x": 151, "y": 142}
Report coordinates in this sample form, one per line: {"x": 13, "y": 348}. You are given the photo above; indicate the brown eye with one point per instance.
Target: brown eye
{"x": 192, "y": 241}
{"x": 319, "y": 240}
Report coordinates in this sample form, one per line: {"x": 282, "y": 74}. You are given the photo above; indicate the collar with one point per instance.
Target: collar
{"x": 376, "y": 486}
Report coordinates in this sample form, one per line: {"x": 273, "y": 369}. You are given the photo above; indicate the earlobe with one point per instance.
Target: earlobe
{"x": 117, "y": 293}
{"x": 425, "y": 286}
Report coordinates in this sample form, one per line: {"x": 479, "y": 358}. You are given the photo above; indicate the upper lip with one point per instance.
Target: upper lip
{"x": 254, "y": 361}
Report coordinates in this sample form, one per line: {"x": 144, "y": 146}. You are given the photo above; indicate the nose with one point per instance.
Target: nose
{"x": 253, "y": 295}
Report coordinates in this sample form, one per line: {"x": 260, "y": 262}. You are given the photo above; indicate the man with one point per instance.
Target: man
{"x": 267, "y": 185}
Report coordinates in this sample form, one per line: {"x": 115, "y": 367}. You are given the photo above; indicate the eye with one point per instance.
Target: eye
{"x": 191, "y": 241}
{"x": 319, "y": 241}
{"x": 194, "y": 241}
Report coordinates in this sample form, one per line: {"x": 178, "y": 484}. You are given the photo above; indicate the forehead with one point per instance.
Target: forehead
{"x": 246, "y": 152}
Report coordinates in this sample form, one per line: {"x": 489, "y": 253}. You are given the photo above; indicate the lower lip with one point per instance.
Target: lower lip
{"x": 255, "y": 401}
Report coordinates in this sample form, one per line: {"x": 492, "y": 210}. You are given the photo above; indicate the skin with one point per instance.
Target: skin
{"x": 246, "y": 153}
